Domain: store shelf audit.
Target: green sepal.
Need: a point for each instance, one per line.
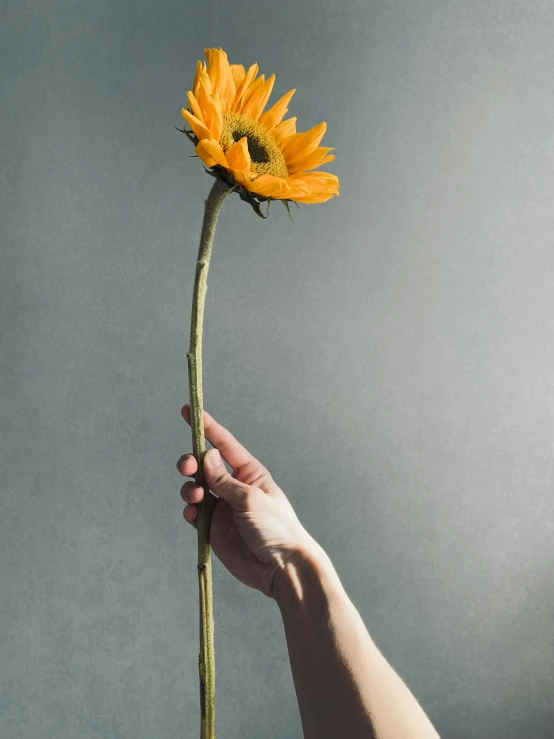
(286, 204)
(189, 134)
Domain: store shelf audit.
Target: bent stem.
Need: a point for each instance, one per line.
(206, 657)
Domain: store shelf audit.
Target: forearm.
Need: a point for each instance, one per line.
(344, 685)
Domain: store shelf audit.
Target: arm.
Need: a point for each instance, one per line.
(344, 685)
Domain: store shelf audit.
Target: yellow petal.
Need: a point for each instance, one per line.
(199, 129)
(203, 97)
(284, 130)
(211, 153)
(257, 101)
(237, 70)
(269, 186)
(315, 159)
(321, 186)
(219, 72)
(298, 188)
(242, 89)
(275, 114)
(199, 70)
(201, 74)
(211, 110)
(238, 156)
(217, 123)
(195, 107)
(249, 92)
(321, 197)
(299, 145)
(316, 179)
(241, 177)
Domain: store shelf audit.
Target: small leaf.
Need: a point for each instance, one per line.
(256, 206)
(190, 136)
(286, 204)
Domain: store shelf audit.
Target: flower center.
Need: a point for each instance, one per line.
(265, 155)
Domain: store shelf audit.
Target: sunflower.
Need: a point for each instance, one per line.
(252, 150)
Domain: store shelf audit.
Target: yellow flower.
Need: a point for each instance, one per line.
(253, 150)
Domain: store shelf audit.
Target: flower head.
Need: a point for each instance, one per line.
(252, 150)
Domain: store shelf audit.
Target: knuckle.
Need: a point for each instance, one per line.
(243, 492)
(263, 480)
(266, 476)
(246, 495)
(253, 473)
(183, 462)
(187, 489)
(220, 478)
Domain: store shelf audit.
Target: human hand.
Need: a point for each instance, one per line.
(254, 530)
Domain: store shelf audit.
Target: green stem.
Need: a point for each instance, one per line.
(206, 657)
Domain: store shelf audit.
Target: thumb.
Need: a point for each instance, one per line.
(236, 493)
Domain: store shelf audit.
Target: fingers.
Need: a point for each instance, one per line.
(193, 494)
(221, 438)
(190, 514)
(239, 495)
(236, 493)
(187, 465)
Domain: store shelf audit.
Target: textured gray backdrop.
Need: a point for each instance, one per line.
(389, 356)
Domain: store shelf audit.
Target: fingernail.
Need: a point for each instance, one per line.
(213, 458)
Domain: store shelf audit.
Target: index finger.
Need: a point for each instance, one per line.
(221, 438)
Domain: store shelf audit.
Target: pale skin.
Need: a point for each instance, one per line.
(344, 685)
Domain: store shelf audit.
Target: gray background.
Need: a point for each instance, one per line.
(389, 356)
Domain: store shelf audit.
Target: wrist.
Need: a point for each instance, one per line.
(309, 571)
